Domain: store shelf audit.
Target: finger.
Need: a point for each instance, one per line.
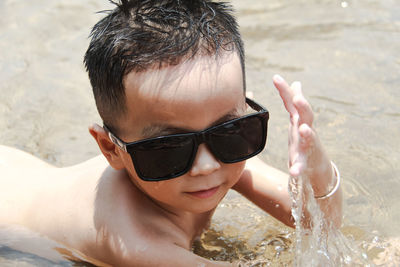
(286, 93)
(302, 142)
(310, 148)
(296, 169)
(296, 88)
(294, 130)
(293, 140)
(302, 138)
(299, 166)
(302, 106)
(306, 114)
(306, 139)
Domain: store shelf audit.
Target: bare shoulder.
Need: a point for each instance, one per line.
(115, 222)
(152, 253)
(36, 194)
(19, 168)
(13, 157)
(174, 256)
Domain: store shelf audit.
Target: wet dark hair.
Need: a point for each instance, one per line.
(139, 34)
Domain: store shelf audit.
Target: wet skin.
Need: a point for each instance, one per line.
(189, 97)
(103, 210)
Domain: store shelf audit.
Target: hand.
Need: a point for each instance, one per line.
(306, 155)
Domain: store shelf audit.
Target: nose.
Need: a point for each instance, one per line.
(205, 163)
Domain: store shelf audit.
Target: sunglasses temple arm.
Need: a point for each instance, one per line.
(254, 105)
(118, 142)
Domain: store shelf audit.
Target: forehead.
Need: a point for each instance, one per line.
(191, 95)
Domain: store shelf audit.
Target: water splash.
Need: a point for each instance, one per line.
(318, 242)
(243, 234)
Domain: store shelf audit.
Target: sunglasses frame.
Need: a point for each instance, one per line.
(198, 137)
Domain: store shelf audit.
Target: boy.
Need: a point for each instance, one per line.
(169, 82)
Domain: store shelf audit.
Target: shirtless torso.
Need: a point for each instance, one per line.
(89, 207)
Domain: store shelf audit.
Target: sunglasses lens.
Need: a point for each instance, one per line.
(238, 140)
(171, 156)
(164, 158)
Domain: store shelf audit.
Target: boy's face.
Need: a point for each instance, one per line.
(188, 97)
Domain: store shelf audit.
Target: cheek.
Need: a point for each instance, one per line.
(163, 191)
(158, 190)
(127, 161)
(235, 171)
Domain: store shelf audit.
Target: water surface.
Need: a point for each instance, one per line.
(344, 53)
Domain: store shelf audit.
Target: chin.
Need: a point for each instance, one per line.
(206, 205)
(203, 209)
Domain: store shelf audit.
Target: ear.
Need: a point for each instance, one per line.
(107, 147)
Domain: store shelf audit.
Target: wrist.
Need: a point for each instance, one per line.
(333, 185)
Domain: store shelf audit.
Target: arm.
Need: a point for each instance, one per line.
(163, 254)
(268, 187)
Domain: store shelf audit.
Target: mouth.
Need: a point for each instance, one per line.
(204, 193)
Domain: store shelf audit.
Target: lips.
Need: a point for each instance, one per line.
(204, 193)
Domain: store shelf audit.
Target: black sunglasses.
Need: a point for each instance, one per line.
(170, 156)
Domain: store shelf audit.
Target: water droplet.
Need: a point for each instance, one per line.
(277, 206)
(347, 259)
(141, 247)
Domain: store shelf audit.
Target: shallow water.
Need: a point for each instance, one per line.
(344, 53)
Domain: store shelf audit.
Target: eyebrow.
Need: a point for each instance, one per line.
(155, 130)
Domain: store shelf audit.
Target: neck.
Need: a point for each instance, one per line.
(188, 224)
